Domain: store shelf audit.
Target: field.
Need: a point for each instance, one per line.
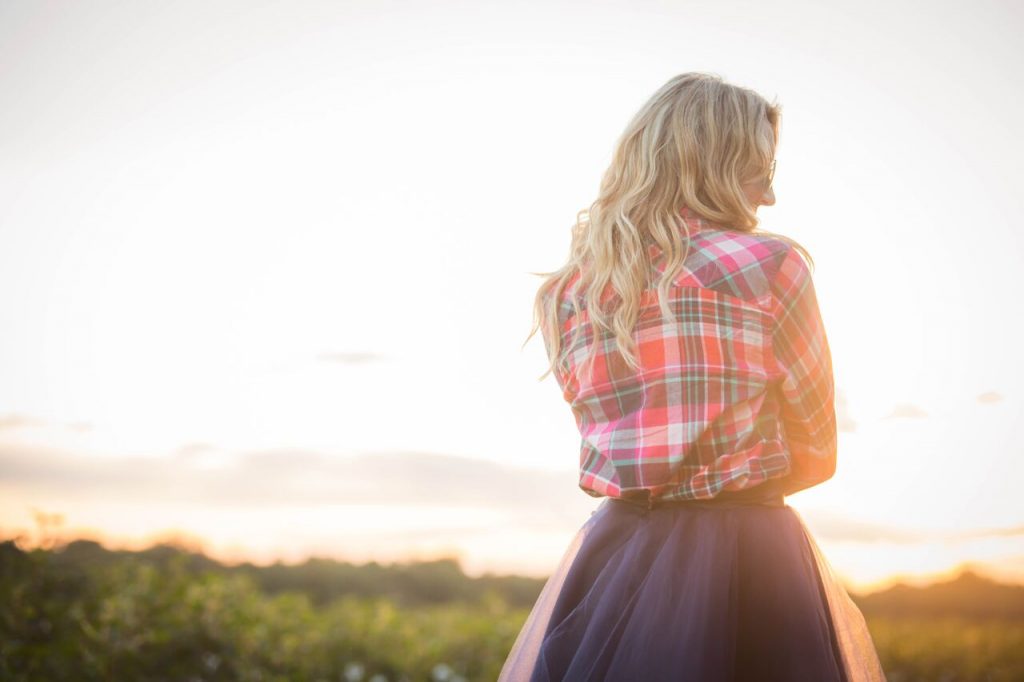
(140, 617)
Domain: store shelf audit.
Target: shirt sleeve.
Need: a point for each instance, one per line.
(803, 376)
(561, 369)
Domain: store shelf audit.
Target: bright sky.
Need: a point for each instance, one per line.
(265, 267)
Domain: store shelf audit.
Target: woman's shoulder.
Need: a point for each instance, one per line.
(734, 262)
(755, 246)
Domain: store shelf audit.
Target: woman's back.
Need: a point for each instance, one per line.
(733, 391)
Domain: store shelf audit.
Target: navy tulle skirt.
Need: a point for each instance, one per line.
(727, 590)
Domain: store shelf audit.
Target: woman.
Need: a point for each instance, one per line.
(690, 348)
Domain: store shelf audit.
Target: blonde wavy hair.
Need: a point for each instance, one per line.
(693, 144)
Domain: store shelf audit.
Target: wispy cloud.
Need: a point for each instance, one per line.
(844, 421)
(194, 449)
(12, 422)
(989, 397)
(18, 421)
(350, 358)
(1011, 531)
(839, 528)
(906, 411)
(290, 477)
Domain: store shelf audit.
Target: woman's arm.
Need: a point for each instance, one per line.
(803, 376)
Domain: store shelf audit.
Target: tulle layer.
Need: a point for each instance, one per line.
(714, 593)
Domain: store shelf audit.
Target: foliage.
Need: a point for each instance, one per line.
(324, 580)
(169, 617)
(949, 649)
(135, 620)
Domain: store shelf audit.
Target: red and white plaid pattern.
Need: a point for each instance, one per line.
(735, 390)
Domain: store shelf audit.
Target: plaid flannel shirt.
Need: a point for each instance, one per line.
(735, 391)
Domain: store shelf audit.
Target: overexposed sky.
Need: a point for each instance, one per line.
(265, 267)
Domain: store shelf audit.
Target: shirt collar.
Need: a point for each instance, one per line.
(695, 222)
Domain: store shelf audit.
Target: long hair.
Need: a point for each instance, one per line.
(692, 144)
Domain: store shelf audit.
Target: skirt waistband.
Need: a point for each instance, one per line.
(760, 495)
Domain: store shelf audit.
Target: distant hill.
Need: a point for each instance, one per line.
(967, 595)
(323, 580)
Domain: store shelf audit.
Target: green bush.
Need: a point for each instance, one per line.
(132, 618)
